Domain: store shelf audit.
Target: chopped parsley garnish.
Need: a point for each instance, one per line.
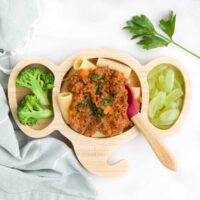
(95, 110)
(99, 87)
(87, 97)
(90, 112)
(85, 102)
(81, 105)
(107, 102)
(95, 77)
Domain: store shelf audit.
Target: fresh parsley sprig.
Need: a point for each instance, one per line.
(141, 27)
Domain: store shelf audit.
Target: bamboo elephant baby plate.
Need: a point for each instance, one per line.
(91, 66)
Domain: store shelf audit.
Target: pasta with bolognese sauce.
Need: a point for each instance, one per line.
(94, 101)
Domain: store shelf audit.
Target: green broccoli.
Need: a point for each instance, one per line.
(30, 110)
(38, 81)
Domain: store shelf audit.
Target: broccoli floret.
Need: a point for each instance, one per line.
(38, 81)
(49, 81)
(30, 110)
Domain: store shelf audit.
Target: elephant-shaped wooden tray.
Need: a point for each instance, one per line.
(93, 153)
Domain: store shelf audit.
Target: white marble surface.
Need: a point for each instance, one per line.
(69, 26)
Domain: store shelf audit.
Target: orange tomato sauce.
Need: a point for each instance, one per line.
(100, 101)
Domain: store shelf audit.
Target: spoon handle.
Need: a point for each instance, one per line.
(160, 149)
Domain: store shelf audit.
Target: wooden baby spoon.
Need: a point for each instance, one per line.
(161, 151)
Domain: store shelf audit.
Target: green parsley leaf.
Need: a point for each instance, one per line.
(99, 87)
(168, 26)
(85, 101)
(107, 102)
(152, 41)
(95, 77)
(87, 97)
(99, 112)
(80, 105)
(141, 27)
(95, 110)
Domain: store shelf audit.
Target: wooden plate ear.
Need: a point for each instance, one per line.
(187, 79)
(15, 94)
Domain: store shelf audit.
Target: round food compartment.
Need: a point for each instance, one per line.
(30, 94)
(93, 93)
(21, 92)
(169, 95)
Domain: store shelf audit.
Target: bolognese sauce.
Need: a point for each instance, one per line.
(100, 101)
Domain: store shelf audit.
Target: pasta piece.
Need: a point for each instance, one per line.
(83, 63)
(64, 101)
(136, 92)
(114, 65)
(98, 135)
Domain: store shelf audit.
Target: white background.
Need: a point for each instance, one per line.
(73, 25)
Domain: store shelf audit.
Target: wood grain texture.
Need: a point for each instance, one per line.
(93, 153)
(160, 149)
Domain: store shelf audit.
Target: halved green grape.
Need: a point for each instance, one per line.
(156, 104)
(157, 122)
(161, 82)
(169, 81)
(166, 95)
(169, 116)
(171, 105)
(152, 83)
(156, 71)
(173, 96)
(153, 93)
